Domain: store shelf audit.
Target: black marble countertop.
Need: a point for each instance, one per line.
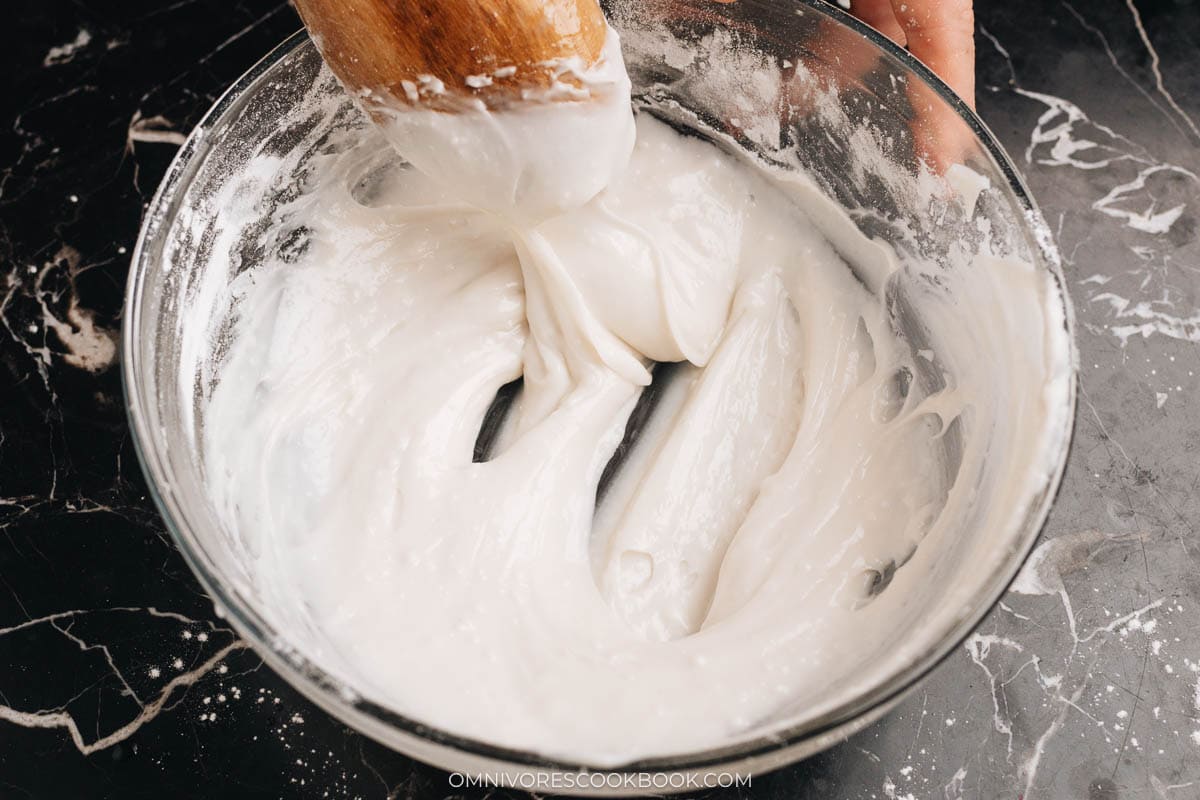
(117, 680)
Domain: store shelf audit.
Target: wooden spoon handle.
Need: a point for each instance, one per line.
(436, 53)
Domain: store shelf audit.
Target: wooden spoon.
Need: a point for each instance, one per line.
(439, 53)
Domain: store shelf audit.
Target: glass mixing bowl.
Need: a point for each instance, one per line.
(797, 84)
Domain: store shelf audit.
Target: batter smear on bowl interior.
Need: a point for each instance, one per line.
(738, 562)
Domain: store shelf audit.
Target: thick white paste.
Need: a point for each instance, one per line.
(796, 457)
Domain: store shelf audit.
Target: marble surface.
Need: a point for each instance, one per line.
(116, 679)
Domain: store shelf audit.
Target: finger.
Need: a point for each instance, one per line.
(940, 137)
(880, 16)
(941, 33)
(840, 59)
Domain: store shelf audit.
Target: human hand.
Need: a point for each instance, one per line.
(941, 33)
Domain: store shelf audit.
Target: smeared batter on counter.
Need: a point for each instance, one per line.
(799, 449)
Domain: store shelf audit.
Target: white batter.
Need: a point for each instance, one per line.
(795, 459)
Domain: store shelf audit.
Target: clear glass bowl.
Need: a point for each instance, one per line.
(797, 83)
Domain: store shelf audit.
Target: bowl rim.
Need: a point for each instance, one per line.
(381, 722)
